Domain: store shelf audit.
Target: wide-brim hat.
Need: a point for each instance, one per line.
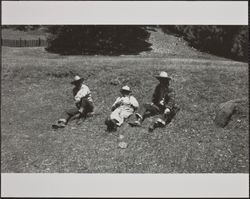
(126, 88)
(77, 79)
(163, 75)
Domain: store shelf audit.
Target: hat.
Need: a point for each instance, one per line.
(125, 88)
(77, 79)
(163, 75)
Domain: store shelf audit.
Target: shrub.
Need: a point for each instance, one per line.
(92, 40)
(226, 41)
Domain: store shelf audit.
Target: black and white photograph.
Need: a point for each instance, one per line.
(124, 99)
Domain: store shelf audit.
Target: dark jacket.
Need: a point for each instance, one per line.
(165, 93)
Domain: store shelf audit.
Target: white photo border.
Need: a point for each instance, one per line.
(124, 185)
(125, 12)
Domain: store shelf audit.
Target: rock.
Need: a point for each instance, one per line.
(123, 145)
(225, 111)
(121, 137)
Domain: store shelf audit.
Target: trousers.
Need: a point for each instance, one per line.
(152, 110)
(121, 113)
(86, 105)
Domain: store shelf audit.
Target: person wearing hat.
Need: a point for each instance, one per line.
(123, 107)
(83, 103)
(163, 103)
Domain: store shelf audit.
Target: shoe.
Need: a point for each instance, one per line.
(111, 126)
(58, 125)
(135, 124)
(138, 116)
(160, 123)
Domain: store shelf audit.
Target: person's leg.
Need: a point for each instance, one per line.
(167, 117)
(113, 120)
(125, 113)
(164, 119)
(65, 117)
(86, 107)
(147, 111)
(69, 114)
(117, 116)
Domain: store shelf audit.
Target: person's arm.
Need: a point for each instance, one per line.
(171, 99)
(155, 97)
(134, 102)
(116, 103)
(83, 92)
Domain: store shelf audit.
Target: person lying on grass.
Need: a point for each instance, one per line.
(163, 104)
(122, 108)
(83, 104)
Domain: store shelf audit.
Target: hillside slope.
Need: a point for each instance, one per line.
(163, 45)
(169, 46)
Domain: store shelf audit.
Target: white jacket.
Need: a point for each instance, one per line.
(83, 92)
(126, 102)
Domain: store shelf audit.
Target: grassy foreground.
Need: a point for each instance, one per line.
(35, 90)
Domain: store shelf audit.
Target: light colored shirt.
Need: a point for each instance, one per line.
(84, 92)
(127, 101)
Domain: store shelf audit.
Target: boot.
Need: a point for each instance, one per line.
(59, 124)
(111, 125)
(158, 124)
(136, 123)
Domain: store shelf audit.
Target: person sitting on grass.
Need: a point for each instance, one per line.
(163, 103)
(83, 104)
(122, 108)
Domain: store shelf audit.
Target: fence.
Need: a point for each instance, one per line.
(23, 43)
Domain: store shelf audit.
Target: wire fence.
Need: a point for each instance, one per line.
(23, 42)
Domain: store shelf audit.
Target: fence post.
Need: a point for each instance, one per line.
(20, 42)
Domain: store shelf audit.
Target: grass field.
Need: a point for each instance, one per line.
(8, 33)
(35, 91)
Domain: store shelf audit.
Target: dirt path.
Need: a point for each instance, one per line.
(166, 45)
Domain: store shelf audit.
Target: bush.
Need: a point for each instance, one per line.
(93, 40)
(226, 41)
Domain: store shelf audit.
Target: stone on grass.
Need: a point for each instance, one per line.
(226, 110)
(123, 145)
(121, 137)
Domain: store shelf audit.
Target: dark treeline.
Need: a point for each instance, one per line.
(98, 40)
(226, 41)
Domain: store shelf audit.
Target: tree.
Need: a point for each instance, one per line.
(226, 41)
(93, 40)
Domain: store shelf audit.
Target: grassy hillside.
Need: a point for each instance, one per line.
(9, 33)
(36, 89)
